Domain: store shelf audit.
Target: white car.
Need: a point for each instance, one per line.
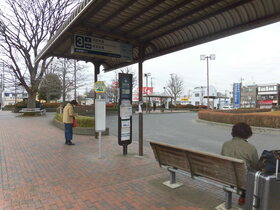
(227, 107)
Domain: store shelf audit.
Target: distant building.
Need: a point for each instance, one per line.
(268, 95)
(258, 96)
(9, 98)
(199, 96)
(87, 101)
(249, 96)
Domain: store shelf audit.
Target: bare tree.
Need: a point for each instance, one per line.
(25, 26)
(72, 75)
(12, 84)
(175, 86)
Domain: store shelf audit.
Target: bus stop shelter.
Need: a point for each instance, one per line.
(154, 28)
(162, 98)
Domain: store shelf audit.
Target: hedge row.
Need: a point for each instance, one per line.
(83, 121)
(269, 119)
(244, 110)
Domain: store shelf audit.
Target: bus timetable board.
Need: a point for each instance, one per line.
(125, 111)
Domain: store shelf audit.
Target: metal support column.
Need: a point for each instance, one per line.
(208, 103)
(140, 76)
(96, 72)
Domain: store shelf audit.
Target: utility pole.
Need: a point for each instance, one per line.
(152, 82)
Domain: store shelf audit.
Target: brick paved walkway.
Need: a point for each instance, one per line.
(39, 172)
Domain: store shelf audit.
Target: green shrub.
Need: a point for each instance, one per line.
(21, 104)
(182, 106)
(58, 117)
(112, 109)
(51, 105)
(83, 121)
(8, 107)
(190, 106)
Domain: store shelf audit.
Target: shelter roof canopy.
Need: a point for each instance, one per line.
(157, 27)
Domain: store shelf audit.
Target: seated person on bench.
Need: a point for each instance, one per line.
(240, 148)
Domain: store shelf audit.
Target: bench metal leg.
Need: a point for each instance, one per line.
(172, 177)
(228, 203)
(172, 181)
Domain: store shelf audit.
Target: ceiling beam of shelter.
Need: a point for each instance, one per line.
(183, 16)
(217, 35)
(138, 14)
(212, 14)
(128, 4)
(92, 11)
(157, 17)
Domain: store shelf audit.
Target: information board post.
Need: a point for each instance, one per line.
(125, 111)
(100, 112)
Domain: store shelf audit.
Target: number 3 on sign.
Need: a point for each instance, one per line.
(79, 41)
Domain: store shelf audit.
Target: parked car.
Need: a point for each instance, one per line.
(227, 107)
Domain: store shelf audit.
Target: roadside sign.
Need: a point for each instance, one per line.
(237, 94)
(185, 99)
(100, 87)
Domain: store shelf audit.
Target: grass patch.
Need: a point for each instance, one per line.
(83, 121)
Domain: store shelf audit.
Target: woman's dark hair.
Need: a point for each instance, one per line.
(74, 102)
(241, 130)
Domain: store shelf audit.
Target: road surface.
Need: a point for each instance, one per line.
(184, 130)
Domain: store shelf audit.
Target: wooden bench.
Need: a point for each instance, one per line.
(224, 172)
(33, 110)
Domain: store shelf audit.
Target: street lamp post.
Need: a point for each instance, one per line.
(211, 57)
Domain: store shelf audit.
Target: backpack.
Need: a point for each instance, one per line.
(267, 162)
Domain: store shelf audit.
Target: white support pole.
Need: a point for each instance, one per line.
(100, 145)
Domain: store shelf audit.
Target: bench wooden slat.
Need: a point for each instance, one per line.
(173, 157)
(219, 168)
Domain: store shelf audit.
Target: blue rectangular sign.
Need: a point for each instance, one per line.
(237, 94)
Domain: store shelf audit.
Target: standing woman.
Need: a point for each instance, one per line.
(68, 117)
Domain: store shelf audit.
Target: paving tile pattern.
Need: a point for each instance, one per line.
(38, 171)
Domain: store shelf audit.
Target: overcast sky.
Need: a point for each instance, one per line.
(253, 56)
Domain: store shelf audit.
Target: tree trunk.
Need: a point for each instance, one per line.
(31, 100)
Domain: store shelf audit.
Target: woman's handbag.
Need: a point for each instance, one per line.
(75, 124)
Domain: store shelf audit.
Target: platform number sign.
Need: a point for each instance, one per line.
(83, 42)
